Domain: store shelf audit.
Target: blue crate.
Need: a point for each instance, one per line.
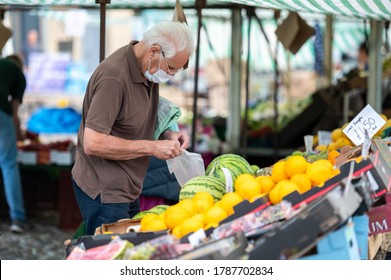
(361, 229)
(338, 245)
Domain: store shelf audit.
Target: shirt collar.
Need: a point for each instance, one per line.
(134, 70)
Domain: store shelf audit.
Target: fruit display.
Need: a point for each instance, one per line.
(261, 201)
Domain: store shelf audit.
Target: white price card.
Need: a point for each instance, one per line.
(369, 120)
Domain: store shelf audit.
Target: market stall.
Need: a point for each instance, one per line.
(250, 224)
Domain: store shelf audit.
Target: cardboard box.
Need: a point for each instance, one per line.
(5, 34)
(374, 243)
(381, 159)
(294, 32)
(380, 217)
(122, 226)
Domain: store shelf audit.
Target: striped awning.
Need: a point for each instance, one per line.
(369, 9)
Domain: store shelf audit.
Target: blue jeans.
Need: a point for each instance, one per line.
(10, 168)
(95, 213)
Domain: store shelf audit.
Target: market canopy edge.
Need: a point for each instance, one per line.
(368, 9)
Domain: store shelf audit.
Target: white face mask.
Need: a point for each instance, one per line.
(159, 76)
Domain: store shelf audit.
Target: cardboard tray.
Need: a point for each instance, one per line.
(229, 248)
(297, 235)
(90, 241)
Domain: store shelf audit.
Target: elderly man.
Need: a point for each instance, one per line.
(119, 115)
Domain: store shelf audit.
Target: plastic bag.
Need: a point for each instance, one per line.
(186, 166)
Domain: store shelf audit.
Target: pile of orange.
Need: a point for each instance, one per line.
(190, 215)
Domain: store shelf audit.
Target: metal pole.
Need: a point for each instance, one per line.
(199, 6)
(102, 43)
(374, 93)
(328, 49)
(250, 14)
(233, 118)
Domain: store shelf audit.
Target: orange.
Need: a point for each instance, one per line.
(204, 195)
(281, 190)
(170, 209)
(319, 171)
(211, 225)
(248, 189)
(189, 206)
(200, 217)
(384, 117)
(257, 196)
(229, 200)
(295, 165)
(273, 195)
(287, 188)
(176, 231)
(215, 214)
(190, 225)
(203, 205)
(321, 148)
(302, 181)
(336, 134)
(342, 142)
(155, 225)
(146, 219)
(266, 182)
(331, 156)
(278, 171)
(243, 177)
(175, 217)
(332, 146)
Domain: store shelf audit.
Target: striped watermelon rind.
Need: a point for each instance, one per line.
(234, 163)
(158, 209)
(209, 184)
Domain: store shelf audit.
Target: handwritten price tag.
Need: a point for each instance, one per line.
(367, 120)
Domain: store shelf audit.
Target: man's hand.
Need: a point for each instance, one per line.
(166, 149)
(181, 136)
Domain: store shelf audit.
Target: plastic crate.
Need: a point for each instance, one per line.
(361, 229)
(338, 245)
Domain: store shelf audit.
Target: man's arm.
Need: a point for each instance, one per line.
(20, 135)
(115, 148)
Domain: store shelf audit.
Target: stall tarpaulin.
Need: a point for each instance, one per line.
(368, 9)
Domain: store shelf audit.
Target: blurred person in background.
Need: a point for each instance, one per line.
(12, 88)
(119, 114)
(31, 45)
(363, 56)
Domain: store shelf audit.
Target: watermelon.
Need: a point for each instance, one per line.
(209, 184)
(112, 251)
(235, 164)
(158, 209)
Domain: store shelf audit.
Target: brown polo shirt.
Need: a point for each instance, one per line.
(117, 102)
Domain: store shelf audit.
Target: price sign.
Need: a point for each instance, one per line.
(367, 120)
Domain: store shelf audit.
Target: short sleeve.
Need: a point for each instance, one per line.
(105, 105)
(19, 86)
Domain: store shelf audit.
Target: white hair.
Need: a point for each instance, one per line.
(173, 37)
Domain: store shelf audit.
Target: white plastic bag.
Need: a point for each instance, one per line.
(186, 166)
